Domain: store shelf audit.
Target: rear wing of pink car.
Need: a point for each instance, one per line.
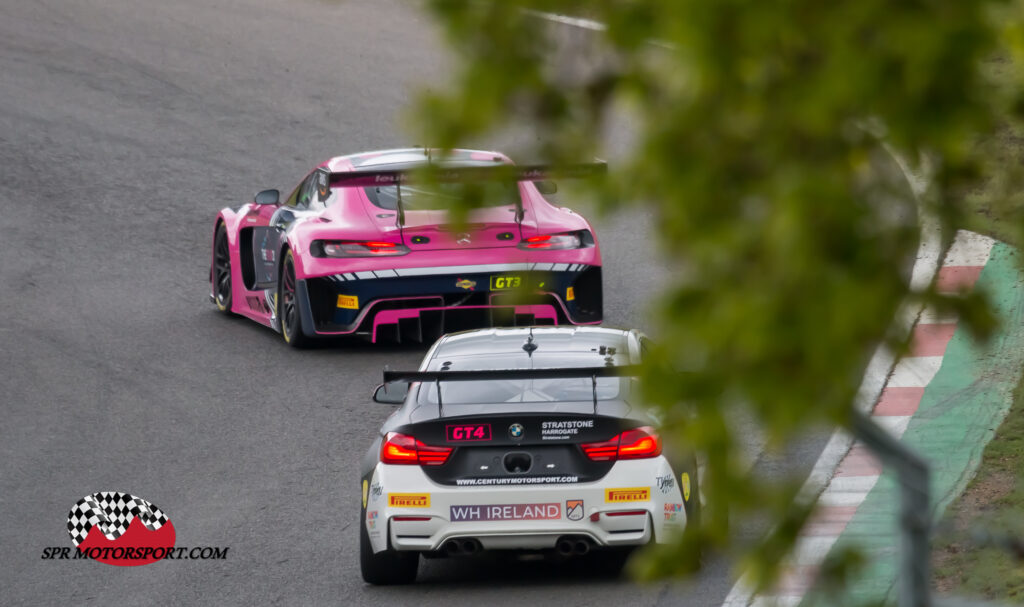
(467, 174)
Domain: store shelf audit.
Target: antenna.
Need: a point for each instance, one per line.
(529, 347)
(593, 383)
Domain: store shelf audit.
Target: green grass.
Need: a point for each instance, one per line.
(970, 553)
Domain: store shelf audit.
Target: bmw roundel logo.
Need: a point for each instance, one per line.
(515, 431)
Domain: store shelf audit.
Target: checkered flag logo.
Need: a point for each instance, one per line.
(113, 512)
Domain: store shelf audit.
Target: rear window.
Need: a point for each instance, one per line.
(443, 196)
(579, 389)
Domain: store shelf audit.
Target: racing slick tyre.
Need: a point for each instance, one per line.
(220, 277)
(288, 305)
(388, 567)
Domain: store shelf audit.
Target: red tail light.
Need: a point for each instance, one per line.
(355, 248)
(638, 443)
(552, 242)
(403, 449)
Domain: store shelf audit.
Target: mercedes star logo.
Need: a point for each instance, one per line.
(462, 238)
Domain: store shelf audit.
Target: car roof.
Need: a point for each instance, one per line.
(507, 348)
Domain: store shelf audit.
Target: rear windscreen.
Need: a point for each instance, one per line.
(443, 195)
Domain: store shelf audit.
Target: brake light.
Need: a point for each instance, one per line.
(404, 449)
(357, 248)
(638, 443)
(552, 242)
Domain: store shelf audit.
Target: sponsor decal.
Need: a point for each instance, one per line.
(348, 302)
(574, 510)
(570, 294)
(409, 500)
(561, 430)
(516, 480)
(627, 494)
(376, 490)
(684, 482)
(506, 512)
(468, 432)
(365, 492)
(122, 529)
(672, 511)
(516, 431)
(665, 483)
(465, 283)
(499, 283)
(371, 519)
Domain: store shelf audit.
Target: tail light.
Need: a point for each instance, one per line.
(404, 449)
(552, 242)
(638, 443)
(356, 248)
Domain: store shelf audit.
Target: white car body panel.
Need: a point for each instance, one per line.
(664, 514)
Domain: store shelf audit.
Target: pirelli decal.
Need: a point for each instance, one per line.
(409, 500)
(627, 494)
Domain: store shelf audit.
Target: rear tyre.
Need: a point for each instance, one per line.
(220, 278)
(288, 305)
(388, 567)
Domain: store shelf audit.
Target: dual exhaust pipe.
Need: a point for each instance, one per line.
(461, 547)
(572, 546)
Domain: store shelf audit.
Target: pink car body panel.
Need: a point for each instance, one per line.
(351, 216)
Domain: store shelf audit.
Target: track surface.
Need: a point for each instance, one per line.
(124, 126)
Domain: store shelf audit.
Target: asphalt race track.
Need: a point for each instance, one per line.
(124, 127)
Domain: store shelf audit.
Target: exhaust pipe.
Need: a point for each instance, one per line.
(564, 546)
(460, 547)
(580, 547)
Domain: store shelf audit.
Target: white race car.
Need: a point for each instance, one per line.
(525, 439)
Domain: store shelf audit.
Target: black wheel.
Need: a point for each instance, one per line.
(221, 277)
(388, 567)
(288, 305)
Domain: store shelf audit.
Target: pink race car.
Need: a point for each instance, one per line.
(362, 247)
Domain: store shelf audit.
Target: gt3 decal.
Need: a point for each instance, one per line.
(627, 494)
(574, 510)
(499, 283)
(409, 500)
(468, 432)
(506, 512)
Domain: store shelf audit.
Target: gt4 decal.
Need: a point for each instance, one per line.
(627, 494)
(506, 512)
(409, 500)
(468, 432)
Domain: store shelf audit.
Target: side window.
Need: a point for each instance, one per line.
(306, 191)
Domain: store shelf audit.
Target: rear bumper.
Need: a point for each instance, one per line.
(420, 304)
(415, 514)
